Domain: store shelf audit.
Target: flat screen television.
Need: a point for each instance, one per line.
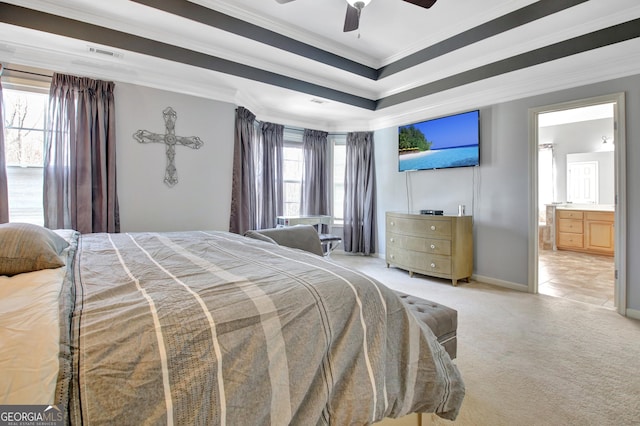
(440, 143)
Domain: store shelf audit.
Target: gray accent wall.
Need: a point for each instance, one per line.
(202, 198)
(497, 192)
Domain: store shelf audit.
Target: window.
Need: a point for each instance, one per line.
(293, 163)
(292, 174)
(24, 122)
(546, 173)
(339, 163)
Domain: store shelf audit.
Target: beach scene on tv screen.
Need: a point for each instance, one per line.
(441, 143)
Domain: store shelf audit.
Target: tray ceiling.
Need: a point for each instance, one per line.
(292, 63)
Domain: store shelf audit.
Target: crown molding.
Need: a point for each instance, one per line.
(548, 77)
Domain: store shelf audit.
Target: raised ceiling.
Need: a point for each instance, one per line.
(292, 63)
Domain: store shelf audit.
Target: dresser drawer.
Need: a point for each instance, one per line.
(419, 262)
(570, 225)
(424, 245)
(567, 239)
(420, 227)
(439, 246)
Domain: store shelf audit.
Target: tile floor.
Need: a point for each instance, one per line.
(582, 277)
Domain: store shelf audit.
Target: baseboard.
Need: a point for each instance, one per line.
(488, 280)
(633, 313)
(630, 313)
(500, 283)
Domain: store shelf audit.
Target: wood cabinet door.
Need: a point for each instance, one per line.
(599, 236)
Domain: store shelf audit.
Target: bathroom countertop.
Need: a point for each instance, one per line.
(591, 207)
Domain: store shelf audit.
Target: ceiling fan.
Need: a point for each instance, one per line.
(354, 8)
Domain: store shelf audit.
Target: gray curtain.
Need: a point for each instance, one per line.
(270, 199)
(243, 204)
(80, 156)
(360, 194)
(315, 177)
(4, 194)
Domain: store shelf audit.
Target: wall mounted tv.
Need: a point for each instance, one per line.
(451, 141)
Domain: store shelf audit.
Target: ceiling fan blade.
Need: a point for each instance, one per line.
(422, 3)
(352, 20)
(284, 1)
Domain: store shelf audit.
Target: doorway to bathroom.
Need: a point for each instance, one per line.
(578, 182)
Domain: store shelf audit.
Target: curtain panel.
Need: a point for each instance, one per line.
(314, 198)
(360, 194)
(257, 194)
(270, 180)
(80, 156)
(4, 194)
(243, 203)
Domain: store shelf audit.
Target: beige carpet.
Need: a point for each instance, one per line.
(531, 359)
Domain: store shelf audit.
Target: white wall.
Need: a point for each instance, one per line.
(499, 188)
(581, 137)
(202, 197)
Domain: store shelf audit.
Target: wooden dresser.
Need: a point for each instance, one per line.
(589, 231)
(439, 246)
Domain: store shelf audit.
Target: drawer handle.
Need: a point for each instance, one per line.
(392, 223)
(392, 257)
(433, 227)
(391, 239)
(433, 246)
(433, 265)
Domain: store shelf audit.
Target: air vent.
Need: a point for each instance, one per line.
(105, 52)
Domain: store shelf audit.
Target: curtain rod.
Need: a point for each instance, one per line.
(300, 130)
(297, 129)
(25, 72)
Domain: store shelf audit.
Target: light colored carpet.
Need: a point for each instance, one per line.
(531, 359)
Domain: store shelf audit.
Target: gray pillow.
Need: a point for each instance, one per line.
(26, 248)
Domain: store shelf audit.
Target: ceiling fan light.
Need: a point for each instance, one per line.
(354, 2)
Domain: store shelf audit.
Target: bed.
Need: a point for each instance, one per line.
(208, 327)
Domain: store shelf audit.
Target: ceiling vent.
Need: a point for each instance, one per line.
(104, 52)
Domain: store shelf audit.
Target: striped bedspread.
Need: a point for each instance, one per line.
(211, 328)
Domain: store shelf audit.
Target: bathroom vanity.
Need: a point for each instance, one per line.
(585, 229)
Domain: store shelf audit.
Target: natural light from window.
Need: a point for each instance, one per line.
(292, 173)
(24, 121)
(339, 162)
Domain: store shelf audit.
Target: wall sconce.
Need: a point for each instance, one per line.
(607, 144)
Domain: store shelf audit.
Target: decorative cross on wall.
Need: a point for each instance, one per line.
(170, 139)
